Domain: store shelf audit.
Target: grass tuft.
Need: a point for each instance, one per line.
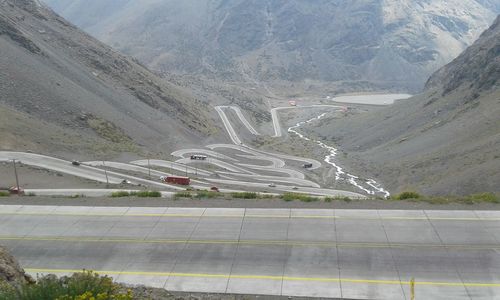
(207, 194)
(244, 195)
(485, 197)
(407, 195)
(296, 196)
(120, 194)
(183, 194)
(142, 194)
(4, 194)
(147, 194)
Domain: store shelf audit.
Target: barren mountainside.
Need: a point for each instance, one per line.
(446, 140)
(63, 91)
(391, 43)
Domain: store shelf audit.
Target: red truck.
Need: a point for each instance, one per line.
(177, 180)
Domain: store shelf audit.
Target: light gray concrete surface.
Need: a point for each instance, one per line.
(380, 99)
(294, 252)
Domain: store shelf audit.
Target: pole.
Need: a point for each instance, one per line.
(107, 180)
(149, 170)
(412, 289)
(105, 174)
(17, 178)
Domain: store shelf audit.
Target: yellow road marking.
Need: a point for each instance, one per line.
(248, 242)
(166, 215)
(267, 277)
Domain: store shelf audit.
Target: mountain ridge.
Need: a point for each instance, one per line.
(58, 75)
(394, 44)
(443, 141)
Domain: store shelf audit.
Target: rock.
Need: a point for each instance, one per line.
(11, 271)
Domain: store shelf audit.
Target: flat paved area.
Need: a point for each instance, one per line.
(360, 254)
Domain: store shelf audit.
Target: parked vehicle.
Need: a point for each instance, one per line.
(272, 185)
(16, 191)
(75, 163)
(308, 166)
(214, 189)
(199, 157)
(176, 180)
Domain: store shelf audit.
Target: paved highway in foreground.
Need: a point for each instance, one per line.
(329, 253)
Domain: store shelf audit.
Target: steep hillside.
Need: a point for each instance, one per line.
(65, 92)
(389, 43)
(446, 140)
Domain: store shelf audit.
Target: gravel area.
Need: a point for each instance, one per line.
(241, 203)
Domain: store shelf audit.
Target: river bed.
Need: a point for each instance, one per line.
(370, 186)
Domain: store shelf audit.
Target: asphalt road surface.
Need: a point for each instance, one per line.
(324, 253)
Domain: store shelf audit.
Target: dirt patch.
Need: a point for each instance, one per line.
(242, 203)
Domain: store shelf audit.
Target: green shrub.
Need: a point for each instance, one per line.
(207, 194)
(148, 194)
(80, 286)
(266, 196)
(485, 197)
(244, 195)
(4, 194)
(296, 196)
(407, 195)
(183, 194)
(120, 194)
(328, 199)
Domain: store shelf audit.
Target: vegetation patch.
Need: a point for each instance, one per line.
(337, 198)
(442, 200)
(4, 194)
(300, 197)
(80, 286)
(183, 194)
(108, 130)
(120, 194)
(485, 197)
(142, 194)
(207, 194)
(146, 194)
(407, 195)
(245, 195)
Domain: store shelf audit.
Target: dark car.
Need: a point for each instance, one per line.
(75, 163)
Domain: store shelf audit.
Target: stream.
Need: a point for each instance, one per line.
(370, 187)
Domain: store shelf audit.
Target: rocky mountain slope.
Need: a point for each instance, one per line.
(389, 43)
(62, 91)
(446, 140)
